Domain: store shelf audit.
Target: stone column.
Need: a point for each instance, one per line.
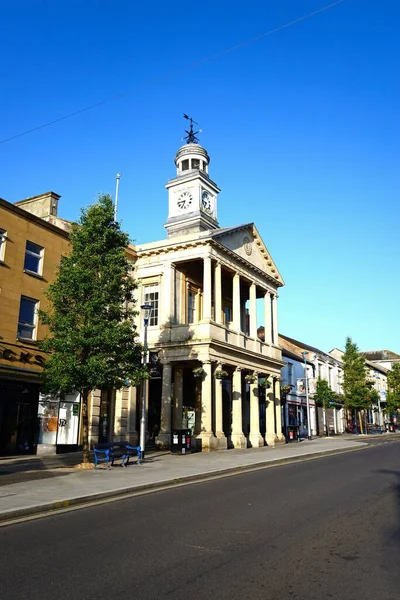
(253, 311)
(255, 436)
(164, 437)
(219, 432)
(236, 318)
(178, 399)
(267, 318)
(207, 288)
(270, 436)
(206, 435)
(217, 294)
(278, 410)
(94, 416)
(238, 439)
(274, 318)
(167, 306)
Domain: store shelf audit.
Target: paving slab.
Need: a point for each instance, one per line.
(77, 487)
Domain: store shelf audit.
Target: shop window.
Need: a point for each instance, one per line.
(33, 258)
(151, 296)
(27, 318)
(58, 421)
(3, 236)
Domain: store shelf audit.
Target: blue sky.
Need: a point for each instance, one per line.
(302, 127)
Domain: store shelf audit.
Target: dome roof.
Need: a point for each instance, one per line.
(193, 150)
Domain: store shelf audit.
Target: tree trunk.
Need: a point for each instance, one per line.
(360, 419)
(85, 427)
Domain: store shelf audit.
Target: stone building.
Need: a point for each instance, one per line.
(32, 241)
(206, 284)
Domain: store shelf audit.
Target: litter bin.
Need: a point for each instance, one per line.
(293, 433)
(181, 441)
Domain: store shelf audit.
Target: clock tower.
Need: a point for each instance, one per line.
(192, 205)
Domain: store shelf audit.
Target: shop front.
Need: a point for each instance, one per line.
(31, 422)
(18, 410)
(58, 424)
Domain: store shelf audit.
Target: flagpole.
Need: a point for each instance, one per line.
(118, 176)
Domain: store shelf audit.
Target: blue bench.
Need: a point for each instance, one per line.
(109, 452)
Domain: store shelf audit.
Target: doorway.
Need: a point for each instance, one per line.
(18, 417)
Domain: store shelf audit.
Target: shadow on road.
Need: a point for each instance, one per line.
(393, 534)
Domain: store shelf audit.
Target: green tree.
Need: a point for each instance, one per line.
(324, 396)
(92, 340)
(393, 394)
(356, 386)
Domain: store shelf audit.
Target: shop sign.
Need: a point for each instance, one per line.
(13, 355)
(301, 386)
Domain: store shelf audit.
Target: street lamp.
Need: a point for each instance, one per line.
(376, 377)
(307, 398)
(146, 311)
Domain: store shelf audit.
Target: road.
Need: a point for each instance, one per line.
(326, 528)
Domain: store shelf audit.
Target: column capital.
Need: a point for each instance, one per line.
(166, 363)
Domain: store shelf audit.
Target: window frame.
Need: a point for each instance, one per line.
(25, 324)
(3, 240)
(155, 302)
(191, 293)
(290, 372)
(36, 255)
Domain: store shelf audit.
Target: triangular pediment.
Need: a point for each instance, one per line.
(246, 242)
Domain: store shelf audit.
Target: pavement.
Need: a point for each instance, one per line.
(26, 490)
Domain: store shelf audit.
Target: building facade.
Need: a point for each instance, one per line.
(317, 365)
(30, 250)
(205, 284)
(378, 375)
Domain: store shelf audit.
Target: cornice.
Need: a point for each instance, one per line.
(249, 266)
(221, 251)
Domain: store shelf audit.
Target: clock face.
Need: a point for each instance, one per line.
(185, 200)
(206, 201)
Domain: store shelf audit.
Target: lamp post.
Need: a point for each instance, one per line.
(146, 310)
(307, 398)
(376, 377)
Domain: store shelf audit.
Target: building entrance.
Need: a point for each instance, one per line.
(18, 417)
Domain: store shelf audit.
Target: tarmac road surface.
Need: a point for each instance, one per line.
(326, 528)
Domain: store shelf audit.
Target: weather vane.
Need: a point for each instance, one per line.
(191, 135)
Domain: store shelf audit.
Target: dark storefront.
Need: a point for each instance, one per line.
(18, 417)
